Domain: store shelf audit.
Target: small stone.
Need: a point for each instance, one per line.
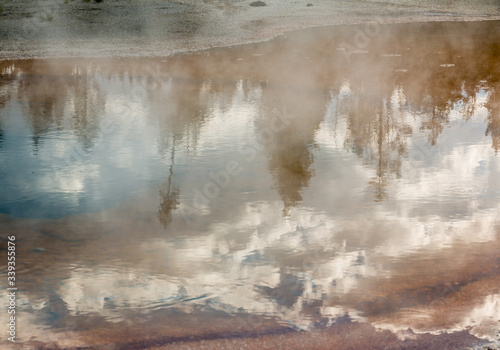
(258, 3)
(309, 5)
(39, 249)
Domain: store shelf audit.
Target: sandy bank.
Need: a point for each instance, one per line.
(124, 28)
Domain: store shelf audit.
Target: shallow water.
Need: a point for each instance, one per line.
(261, 189)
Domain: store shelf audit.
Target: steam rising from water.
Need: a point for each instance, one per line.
(367, 185)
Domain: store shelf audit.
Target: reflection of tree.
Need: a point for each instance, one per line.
(169, 195)
(1, 134)
(45, 97)
(493, 119)
(291, 165)
(88, 108)
(443, 75)
(180, 110)
(378, 134)
(5, 95)
(441, 95)
(50, 95)
(290, 157)
(199, 84)
(434, 122)
(7, 77)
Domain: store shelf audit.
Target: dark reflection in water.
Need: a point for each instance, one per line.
(291, 145)
(287, 184)
(169, 194)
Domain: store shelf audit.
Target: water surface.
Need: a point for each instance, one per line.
(267, 188)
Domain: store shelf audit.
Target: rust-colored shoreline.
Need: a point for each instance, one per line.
(342, 335)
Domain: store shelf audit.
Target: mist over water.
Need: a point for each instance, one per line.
(321, 176)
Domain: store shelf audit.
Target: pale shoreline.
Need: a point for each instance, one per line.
(118, 28)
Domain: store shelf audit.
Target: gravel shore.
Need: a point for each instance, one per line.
(126, 28)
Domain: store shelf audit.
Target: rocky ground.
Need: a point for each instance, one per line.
(119, 28)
